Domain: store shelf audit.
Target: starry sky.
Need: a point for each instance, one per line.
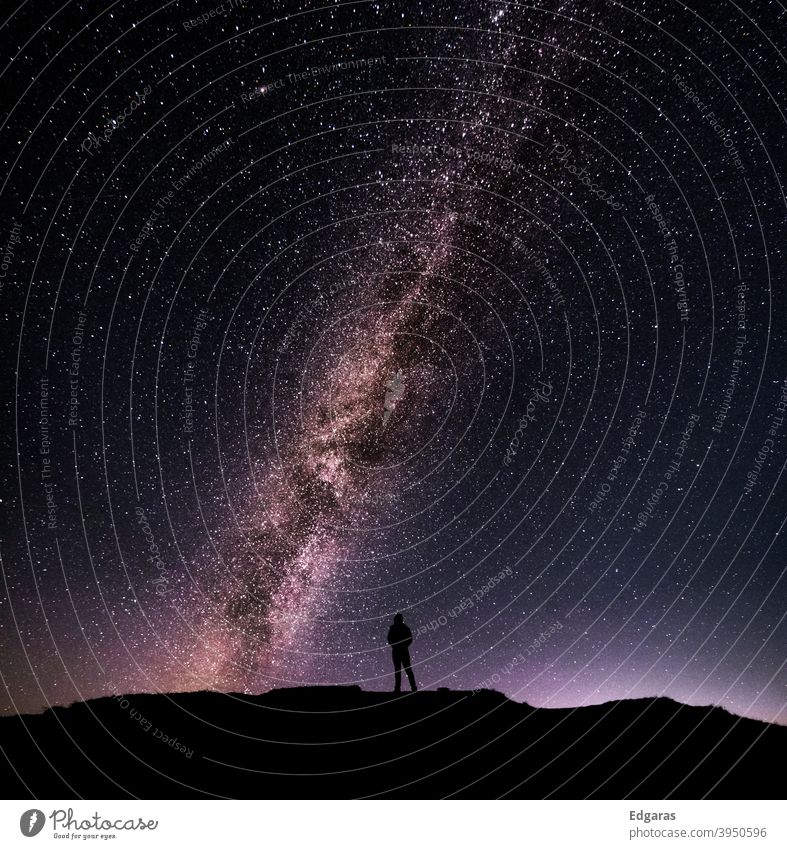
(317, 312)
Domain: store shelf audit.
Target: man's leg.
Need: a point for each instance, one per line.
(397, 672)
(408, 670)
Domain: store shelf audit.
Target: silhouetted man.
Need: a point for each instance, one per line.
(399, 639)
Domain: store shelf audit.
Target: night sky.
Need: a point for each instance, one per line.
(313, 313)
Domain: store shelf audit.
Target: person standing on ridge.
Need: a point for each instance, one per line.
(399, 639)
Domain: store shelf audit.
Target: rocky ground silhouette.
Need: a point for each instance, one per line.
(343, 742)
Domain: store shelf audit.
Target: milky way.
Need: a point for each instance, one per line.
(471, 311)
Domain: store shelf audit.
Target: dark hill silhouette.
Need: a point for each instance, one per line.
(340, 742)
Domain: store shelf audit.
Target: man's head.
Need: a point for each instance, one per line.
(398, 619)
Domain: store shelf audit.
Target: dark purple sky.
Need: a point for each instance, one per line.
(468, 311)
